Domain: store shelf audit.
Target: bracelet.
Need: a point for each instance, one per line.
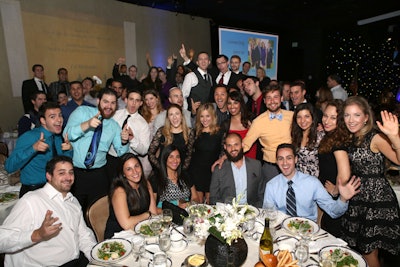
(395, 148)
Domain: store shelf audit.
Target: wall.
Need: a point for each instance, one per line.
(158, 32)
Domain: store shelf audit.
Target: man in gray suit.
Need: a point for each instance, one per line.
(239, 175)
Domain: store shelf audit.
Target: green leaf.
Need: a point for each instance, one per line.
(213, 230)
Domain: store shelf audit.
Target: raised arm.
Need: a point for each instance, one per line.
(388, 145)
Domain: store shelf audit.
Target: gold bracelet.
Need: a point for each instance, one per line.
(395, 148)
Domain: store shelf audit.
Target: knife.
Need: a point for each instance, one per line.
(173, 227)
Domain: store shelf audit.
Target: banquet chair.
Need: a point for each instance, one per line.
(3, 149)
(97, 215)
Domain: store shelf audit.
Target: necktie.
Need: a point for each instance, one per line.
(291, 200)
(94, 145)
(53, 146)
(43, 87)
(221, 81)
(125, 121)
(275, 116)
(205, 77)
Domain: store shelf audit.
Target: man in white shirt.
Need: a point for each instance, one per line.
(46, 226)
(337, 90)
(139, 131)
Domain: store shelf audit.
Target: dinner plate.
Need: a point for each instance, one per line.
(361, 261)
(126, 244)
(286, 242)
(145, 222)
(8, 197)
(285, 225)
(251, 208)
(201, 210)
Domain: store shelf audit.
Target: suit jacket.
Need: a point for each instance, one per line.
(28, 88)
(223, 185)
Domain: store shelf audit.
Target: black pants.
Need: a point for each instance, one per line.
(26, 188)
(82, 261)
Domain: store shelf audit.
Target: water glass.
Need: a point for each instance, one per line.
(301, 252)
(166, 218)
(188, 227)
(271, 213)
(305, 232)
(137, 246)
(249, 224)
(160, 259)
(164, 242)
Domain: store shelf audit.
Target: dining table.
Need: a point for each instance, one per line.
(6, 207)
(197, 246)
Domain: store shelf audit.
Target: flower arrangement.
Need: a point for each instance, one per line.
(224, 224)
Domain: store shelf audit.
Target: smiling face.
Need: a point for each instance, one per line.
(62, 177)
(235, 64)
(38, 72)
(272, 101)
(176, 96)
(175, 118)
(107, 105)
(354, 118)
(132, 171)
(304, 119)
(173, 160)
(233, 107)
(329, 119)
(220, 97)
(286, 161)
(297, 95)
(205, 119)
(132, 72)
(203, 61)
(76, 91)
(233, 147)
(150, 101)
(52, 120)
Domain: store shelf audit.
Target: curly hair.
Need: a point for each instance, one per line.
(297, 133)
(339, 136)
(145, 111)
(166, 130)
(214, 121)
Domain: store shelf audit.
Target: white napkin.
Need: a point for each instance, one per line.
(315, 246)
(128, 235)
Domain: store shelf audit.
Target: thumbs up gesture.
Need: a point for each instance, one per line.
(125, 134)
(94, 121)
(40, 145)
(66, 145)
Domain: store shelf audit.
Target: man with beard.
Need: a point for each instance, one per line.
(271, 128)
(46, 227)
(238, 176)
(85, 126)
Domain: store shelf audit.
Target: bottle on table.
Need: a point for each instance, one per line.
(266, 242)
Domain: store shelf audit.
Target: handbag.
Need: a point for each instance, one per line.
(178, 214)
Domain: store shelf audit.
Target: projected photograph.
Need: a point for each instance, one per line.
(260, 49)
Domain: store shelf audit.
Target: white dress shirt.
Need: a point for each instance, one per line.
(28, 215)
(339, 93)
(139, 145)
(189, 82)
(40, 84)
(227, 76)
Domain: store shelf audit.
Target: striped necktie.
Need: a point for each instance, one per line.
(291, 200)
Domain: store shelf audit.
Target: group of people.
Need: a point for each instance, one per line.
(217, 135)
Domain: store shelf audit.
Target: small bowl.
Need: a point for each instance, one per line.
(196, 260)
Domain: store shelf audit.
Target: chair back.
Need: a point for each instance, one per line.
(97, 216)
(3, 149)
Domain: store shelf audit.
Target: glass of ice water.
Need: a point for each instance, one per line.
(301, 252)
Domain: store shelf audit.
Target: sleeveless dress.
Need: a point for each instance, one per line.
(113, 226)
(207, 149)
(372, 219)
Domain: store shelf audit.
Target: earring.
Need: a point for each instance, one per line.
(365, 122)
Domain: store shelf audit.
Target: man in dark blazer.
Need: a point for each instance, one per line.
(239, 175)
(31, 86)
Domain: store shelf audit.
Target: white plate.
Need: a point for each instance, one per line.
(137, 227)
(285, 222)
(127, 246)
(14, 194)
(180, 248)
(356, 255)
(192, 210)
(252, 208)
(288, 242)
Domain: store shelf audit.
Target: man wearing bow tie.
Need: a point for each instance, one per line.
(271, 128)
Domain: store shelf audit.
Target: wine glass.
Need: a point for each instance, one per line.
(249, 224)
(305, 232)
(155, 225)
(166, 218)
(188, 227)
(271, 213)
(164, 241)
(301, 252)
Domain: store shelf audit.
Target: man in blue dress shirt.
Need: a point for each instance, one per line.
(308, 189)
(36, 147)
(91, 182)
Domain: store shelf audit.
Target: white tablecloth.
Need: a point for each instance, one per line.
(253, 247)
(6, 208)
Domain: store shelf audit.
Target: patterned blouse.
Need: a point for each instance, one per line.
(307, 160)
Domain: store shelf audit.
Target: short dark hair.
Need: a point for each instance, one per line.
(51, 164)
(46, 106)
(286, 145)
(254, 78)
(89, 79)
(75, 82)
(335, 77)
(272, 88)
(246, 62)
(35, 95)
(119, 81)
(236, 56)
(60, 70)
(300, 83)
(222, 86)
(223, 56)
(106, 91)
(203, 52)
(37, 65)
(132, 90)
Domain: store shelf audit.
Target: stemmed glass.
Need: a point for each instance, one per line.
(271, 213)
(188, 227)
(301, 252)
(164, 241)
(305, 232)
(155, 225)
(249, 224)
(166, 218)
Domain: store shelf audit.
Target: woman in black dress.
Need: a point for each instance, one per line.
(207, 149)
(333, 159)
(131, 197)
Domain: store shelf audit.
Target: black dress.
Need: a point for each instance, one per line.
(206, 151)
(372, 219)
(328, 172)
(113, 226)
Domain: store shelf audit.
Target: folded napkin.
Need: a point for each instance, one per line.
(128, 235)
(315, 246)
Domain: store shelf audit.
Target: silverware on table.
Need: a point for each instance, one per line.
(320, 236)
(176, 229)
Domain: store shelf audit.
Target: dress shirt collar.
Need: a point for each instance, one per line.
(126, 113)
(202, 72)
(52, 193)
(293, 179)
(336, 87)
(37, 79)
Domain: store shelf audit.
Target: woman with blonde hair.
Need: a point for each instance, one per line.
(372, 221)
(176, 132)
(207, 148)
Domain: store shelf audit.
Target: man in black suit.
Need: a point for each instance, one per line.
(29, 87)
(225, 75)
(238, 175)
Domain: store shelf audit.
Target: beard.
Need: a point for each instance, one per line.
(103, 115)
(236, 158)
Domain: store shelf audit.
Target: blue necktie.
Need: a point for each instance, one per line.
(291, 200)
(94, 145)
(275, 116)
(53, 146)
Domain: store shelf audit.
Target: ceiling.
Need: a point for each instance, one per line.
(279, 14)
